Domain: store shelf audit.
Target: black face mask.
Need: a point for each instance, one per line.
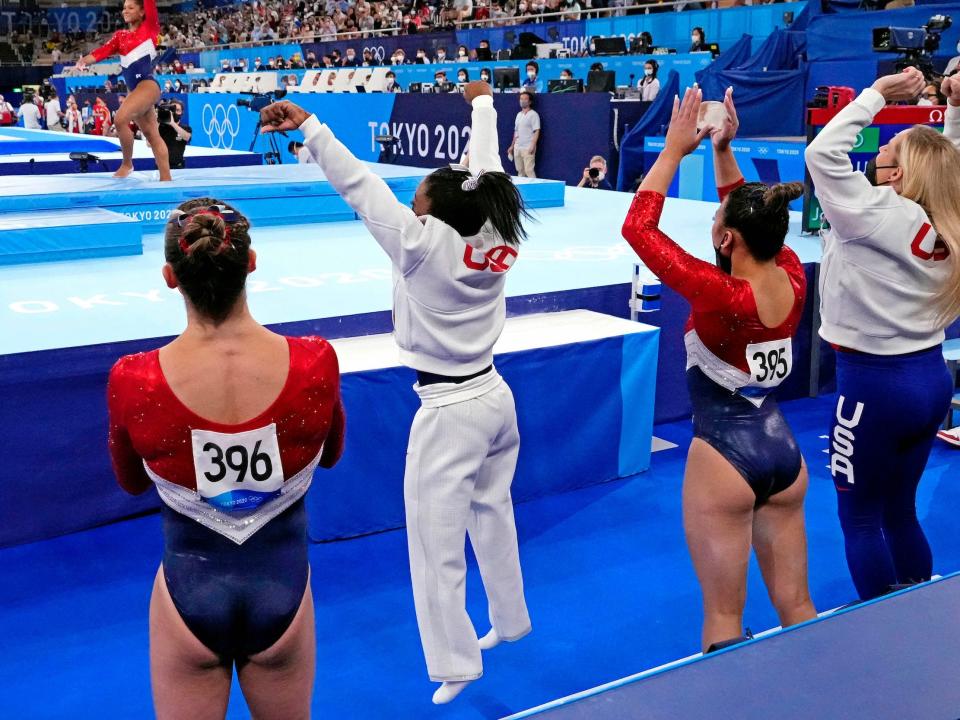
(871, 171)
(723, 262)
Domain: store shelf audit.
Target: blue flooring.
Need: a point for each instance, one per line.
(609, 584)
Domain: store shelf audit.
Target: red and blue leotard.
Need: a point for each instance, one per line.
(234, 522)
(734, 361)
(137, 48)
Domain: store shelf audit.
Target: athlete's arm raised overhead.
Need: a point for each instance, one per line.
(951, 126)
(698, 281)
(484, 143)
(393, 225)
(853, 206)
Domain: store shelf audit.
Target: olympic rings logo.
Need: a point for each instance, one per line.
(378, 51)
(221, 124)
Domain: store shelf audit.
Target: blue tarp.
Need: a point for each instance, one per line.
(737, 55)
(652, 123)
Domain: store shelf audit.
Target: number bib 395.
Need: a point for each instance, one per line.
(770, 362)
(237, 471)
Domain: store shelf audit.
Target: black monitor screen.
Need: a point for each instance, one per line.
(564, 86)
(601, 81)
(506, 77)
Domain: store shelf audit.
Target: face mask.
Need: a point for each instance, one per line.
(524, 103)
(463, 53)
(924, 102)
(485, 78)
(441, 56)
(694, 38)
(871, 172)
(723, 262)
(461, 78)
(532, 75)
(648, 72)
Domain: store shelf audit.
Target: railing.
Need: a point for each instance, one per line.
(559, 16)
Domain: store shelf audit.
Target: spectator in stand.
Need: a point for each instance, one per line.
(369, 59)
(698, 41)
(533, 83)
(566, 74)
(649, 85)
(53, 113)
(931, 95)
(526, 135)
(595, 176)
(463, 54)
(464, 9)
(74, 118)
(463, 76)
(440, 78)
(350, 58)
(442, 56)
(392, 85)
(485, 75)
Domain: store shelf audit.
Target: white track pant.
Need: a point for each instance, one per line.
(460, 462)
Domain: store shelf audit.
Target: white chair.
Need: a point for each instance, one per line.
(377, 82)
(360, 78)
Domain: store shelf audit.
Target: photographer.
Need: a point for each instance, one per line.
(175, 136)
(595, 176)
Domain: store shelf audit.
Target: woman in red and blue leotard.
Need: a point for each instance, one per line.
(228, 422)
(745, 480)
(137, 48)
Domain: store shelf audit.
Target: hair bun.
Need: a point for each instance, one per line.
(204, 233)
(779, 196)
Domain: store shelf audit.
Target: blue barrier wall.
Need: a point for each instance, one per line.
(433, 130)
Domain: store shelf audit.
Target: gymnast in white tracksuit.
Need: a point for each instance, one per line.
(450, 253)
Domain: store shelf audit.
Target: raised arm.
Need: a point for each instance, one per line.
(951, 125)
(151, 18)
(108, 49)
(393, 225)
(726, 171)
(698, 281)
(847, 197)
(484, 143)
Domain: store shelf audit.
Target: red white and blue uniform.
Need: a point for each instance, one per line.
(233, 515)
(883, 269)
(137, 48)
(734, 361)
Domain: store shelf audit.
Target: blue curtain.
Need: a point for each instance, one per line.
(734, 56)
(782, 50)
(768, 103)
(652, 123)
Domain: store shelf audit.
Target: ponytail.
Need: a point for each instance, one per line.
(931, 166)
(466, 203)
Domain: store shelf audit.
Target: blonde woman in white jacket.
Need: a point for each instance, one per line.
(451, 252)
(889, 285)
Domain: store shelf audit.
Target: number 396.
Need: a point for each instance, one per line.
(237, 459)
(773, 365)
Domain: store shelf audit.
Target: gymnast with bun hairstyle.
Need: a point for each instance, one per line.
(228, 422)
(745, 479)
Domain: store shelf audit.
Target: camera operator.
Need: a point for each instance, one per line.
(595, 176)
(176, 136)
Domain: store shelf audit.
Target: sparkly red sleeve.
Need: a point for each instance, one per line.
(151, 18)
(333, 446)
(127, 464)
(705, 286)
(725, 190)
(111, 48)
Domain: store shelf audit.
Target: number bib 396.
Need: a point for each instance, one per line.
(237, 471)
(770, 362)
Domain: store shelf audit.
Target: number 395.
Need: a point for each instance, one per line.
(236, 458)
(773, 365)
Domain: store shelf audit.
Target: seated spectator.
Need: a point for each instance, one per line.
(485, 75)
(399, 57)
(350, 59)
(392, 86)
(440, 78)
(595, 176)
(462, 76)
(930, 95)
(442, 55)
(649, 85)
(421, 58)
(566, 74)
(698, 41)
(463, 54)
(533, 83)
(369, 59)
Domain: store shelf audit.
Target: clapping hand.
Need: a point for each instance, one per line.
(723, 136)
(950, 88)
(682, 136)
(904, 85)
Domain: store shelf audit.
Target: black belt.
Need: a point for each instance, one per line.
(426, 378)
